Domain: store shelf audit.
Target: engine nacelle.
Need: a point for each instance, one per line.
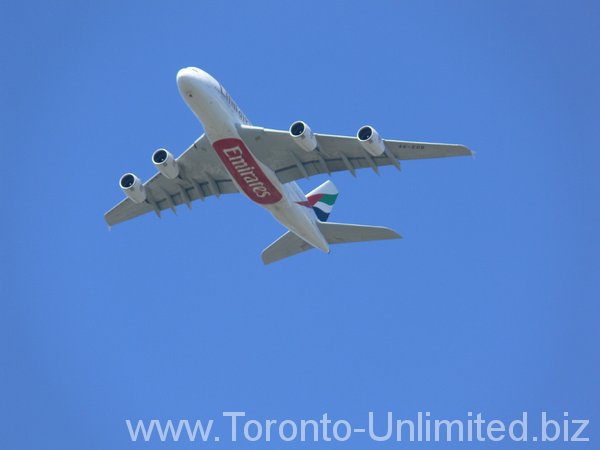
(371, 141)
(133, 188)
(303, 136)
(165, 163)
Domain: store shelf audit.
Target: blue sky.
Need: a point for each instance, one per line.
(489, 303)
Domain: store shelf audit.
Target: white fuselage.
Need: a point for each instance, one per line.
(222, 118)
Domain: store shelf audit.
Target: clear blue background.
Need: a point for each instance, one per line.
(489, 303)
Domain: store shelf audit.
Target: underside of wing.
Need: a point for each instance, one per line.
(200, 175)
(279, 151)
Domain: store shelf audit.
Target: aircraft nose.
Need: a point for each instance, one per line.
(185, 79)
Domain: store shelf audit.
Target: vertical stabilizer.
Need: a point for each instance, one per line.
(322, 199)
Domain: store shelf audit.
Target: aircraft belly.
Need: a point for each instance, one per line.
(295, 218)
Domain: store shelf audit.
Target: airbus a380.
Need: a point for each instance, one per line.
(263, 164)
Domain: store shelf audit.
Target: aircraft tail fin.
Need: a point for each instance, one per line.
(335, 233)
(322, 199)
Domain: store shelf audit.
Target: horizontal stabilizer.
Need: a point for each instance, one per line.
(335, 233)
(340, 233)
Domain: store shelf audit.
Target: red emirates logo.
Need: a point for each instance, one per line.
(246, 171)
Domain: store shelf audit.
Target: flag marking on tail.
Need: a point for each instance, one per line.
(321, 200)
(321, 203)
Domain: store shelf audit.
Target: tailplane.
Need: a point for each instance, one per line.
(335, 233)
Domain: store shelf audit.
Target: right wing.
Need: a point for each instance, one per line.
(201, 175)
(277, 149)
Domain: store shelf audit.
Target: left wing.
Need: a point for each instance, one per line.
(201, 175)
(277, 149)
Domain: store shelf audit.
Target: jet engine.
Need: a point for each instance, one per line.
(371, 141)
(133, 187)
(303, 136)
(165, 163)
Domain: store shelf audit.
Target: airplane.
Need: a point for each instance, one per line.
(263, 164)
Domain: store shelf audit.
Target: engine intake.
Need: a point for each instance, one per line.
(133, 188)
(370, 140)
(303, 136)
(165, 163)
